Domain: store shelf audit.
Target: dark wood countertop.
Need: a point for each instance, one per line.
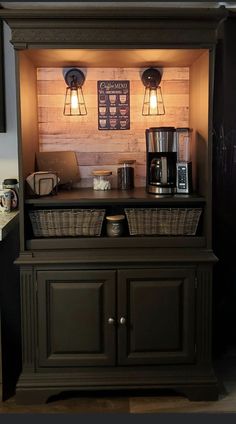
(82, 197)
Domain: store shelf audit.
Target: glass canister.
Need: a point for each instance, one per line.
(183, 144)
(102, 179)
(115, 225)
(125, 174)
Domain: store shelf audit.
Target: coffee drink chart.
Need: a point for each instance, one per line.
(113, 105)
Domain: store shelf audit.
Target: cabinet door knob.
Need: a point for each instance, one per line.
(122, 320)
(111, 321)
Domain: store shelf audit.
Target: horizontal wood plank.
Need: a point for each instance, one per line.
(56, 74)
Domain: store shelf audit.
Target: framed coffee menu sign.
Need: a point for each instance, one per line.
(113, 105)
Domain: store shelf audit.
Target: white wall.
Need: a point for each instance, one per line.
(8, 140)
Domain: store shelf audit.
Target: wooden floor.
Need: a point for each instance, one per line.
(136, 403)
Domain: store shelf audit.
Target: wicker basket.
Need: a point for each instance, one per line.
(163, 221)
(67, 222)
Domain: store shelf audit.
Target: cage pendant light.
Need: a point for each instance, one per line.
(74, 99)
(153, 101)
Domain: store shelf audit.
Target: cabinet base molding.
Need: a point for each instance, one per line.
(40, 387)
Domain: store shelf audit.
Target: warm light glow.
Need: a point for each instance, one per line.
(74, 99)
(153, 100)
(74, 104)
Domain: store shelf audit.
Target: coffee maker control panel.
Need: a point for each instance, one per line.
(184, 177)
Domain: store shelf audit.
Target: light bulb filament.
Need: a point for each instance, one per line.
(153, 99)
(74, 99)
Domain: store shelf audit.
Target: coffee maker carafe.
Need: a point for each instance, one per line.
(161, 161)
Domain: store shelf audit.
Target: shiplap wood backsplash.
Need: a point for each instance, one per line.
(101, 149)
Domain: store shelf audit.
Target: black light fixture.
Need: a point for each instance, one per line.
(74, 99)
(153, 102)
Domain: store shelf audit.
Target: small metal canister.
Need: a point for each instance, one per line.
(125, 174)
(115, 225)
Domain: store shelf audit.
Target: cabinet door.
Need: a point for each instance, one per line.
(156, 309)
(74, 308)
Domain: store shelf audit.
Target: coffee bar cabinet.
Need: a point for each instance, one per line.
(128, 312)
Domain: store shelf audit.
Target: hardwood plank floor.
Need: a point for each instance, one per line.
(155, 402)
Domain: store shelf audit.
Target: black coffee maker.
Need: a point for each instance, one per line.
(161, 149)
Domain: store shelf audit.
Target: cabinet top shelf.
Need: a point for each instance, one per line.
(92, 197)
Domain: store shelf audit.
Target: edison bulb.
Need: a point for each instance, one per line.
(74, 99)
(153, 100)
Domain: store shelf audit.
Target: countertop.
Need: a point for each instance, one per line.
(7, 222)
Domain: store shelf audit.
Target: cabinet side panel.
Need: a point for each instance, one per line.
(27, 121)
(29, 117)
(28, 318)
(204, 314)
(200, 121)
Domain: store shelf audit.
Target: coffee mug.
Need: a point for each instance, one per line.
(6, 199)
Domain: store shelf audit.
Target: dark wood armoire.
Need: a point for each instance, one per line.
(130, 312)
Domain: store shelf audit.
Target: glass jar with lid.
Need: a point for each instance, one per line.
(125, 174)
(115, 225)
(184, 136)
(102, 179)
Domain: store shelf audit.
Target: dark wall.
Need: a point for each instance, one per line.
(224, 191)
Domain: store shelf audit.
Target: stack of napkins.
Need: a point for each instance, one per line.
(42, 182)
